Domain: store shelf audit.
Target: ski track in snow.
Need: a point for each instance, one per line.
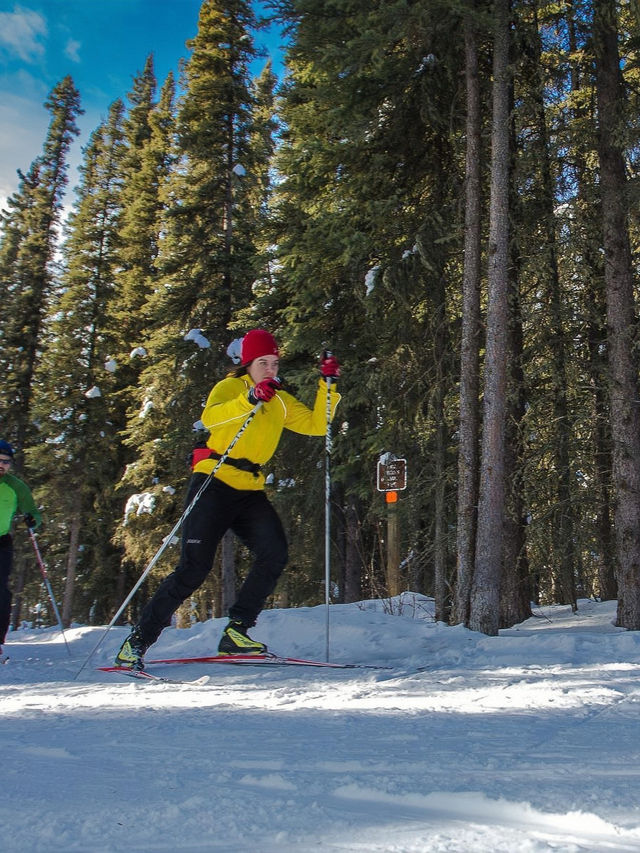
(528, 741)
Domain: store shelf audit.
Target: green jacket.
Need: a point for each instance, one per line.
(15, 496)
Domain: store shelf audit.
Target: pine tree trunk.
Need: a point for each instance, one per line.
(608, 586)
(515, 591)
(485, 593)
(601, 436)
(352, 557)
(562, 524)
(35, 258)
(441, 584)
(470, 345)
(621, 318)
(595, 300)
(72, 561)
(514, 581)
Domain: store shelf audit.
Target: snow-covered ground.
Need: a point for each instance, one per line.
(529, 741)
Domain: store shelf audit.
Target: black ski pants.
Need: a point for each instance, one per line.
(250, 515)
(6, 564)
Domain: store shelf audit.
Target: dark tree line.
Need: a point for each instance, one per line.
(444, 195)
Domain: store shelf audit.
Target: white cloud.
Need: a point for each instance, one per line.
(23, 127)
(72, 50)
(20, 33)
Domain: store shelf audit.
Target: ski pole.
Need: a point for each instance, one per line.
(327, 511)
(167, 541)
(45, 576)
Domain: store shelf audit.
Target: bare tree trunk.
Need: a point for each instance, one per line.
(601, 439)
(72, 562)
(484, 611)
(563, 525)
(441, 585)
(515, 597)
(607, 583)
(595, 300)
(621, 316)
(515, 587)
(353, 555)
(470, 345)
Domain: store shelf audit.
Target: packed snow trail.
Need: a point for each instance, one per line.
(525, 741)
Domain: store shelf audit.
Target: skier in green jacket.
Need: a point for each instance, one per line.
(15, 496)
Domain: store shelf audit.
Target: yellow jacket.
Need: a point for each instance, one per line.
(227, 409)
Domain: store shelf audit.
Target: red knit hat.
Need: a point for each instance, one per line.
(257, 343)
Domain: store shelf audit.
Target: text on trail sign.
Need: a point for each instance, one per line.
(392, 475)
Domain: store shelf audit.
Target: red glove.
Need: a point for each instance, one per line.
(264, 391)
(330, 366)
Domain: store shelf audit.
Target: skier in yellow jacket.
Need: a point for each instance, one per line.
(235, 498)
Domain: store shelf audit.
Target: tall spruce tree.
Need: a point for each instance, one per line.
(146, 165)
(484, 614)
(469, 401)
(621, 312)
(366, 234)
(149, 131)
(207, 260)
(365, 255)
(585, 265)
(76, 412)
(28, 276)
(542, 218)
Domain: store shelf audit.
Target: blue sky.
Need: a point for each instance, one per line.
(102, 44)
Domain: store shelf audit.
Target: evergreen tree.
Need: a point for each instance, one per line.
(484, 610)
(184, 235)
(621, 313)
(146, 164)
(31, 236)
(149, 133)
(470, 331)
(77, 416)
(207, 260)
(367, 230)
(541, 218)
(585, 265)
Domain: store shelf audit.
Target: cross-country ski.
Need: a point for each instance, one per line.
(267, 659)
(142, 675)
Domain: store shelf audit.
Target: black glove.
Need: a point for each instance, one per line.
(265, 391)
(30, 521)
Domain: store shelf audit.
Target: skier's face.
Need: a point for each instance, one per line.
(265, 367)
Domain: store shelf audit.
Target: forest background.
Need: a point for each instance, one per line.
(443, 193)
